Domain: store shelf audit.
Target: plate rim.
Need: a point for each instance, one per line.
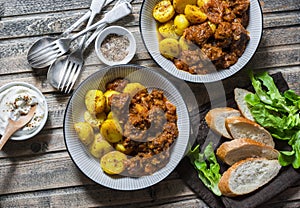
(208, 78)
(168, 169)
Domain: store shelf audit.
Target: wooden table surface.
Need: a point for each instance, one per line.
(39, 172)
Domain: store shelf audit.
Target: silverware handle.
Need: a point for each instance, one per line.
(84, 17)
(77, 23)
(115, 14)
(93, 36)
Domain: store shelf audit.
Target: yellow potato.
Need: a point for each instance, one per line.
(163, 11)
(167, 30)
(201, 3)
(111, 130)
(85, 132)
(95, 101)
(113, 162)
(180, 23)
(212, 26)
(110, 115)
(107, 94)
(169, 48)
(94, 120)
(179, 5)
(194, 14)
(184, 44)
(133, 88)
(120, 147)
(100, 147)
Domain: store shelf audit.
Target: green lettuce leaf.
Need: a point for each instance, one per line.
(278, 113)
(207, 166)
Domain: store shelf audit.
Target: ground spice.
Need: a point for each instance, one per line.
(114, 47)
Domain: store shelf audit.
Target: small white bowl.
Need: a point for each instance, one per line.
(42, 106)
(119, 31)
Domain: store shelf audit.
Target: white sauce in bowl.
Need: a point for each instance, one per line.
(16, 101)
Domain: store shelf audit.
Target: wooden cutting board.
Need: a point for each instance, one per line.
(283, 180)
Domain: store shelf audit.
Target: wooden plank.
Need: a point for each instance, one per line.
(49, 24)
(279, 5)
(37, 173)
(25, 7)
(97, 196)
(24, 172)
(281, 19)
(276, 57)
(280, 36)
(22, 7)
(48, 141)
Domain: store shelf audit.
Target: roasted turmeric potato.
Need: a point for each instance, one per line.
(179, 5)
(212, 26)
(111, 130)
(85, 132)
(180, 23)
(194, 14)
(201, 3)
(107, 94)
(94, 120)
(184, 44)
(113, 162)
(133, 88)
(163, 11)
(100, 146)
(95, 101)
(120, 147)
(168, 30)
(169, 48)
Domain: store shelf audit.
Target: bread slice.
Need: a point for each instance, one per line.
(239, 97)
(240, 127)
(247, 176)
(239, 149)
(215, 119)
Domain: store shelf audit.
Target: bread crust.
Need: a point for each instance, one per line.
(239, 97)
(224, 181)
(239, 149)
(238, 120)
(218, 115)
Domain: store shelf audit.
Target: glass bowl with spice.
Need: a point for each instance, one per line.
(115, 45)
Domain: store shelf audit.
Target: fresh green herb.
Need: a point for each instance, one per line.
(279, 113)
(207, 166)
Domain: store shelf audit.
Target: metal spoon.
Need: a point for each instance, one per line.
(40, 44)
(13, 126)
(58, 70)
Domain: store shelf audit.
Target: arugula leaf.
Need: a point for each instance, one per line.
(208, 171)
(279, 113)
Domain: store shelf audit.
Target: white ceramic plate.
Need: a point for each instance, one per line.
(42, 105)
(148, 28)
(76, 108)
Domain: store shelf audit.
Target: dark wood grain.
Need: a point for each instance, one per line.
(40, 173)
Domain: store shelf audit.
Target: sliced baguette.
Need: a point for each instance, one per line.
(247, 176)
(239, 149)
(215, 119)
(239, 97)
(240, 127)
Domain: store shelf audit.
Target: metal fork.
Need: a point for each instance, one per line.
(75, 59)
(74, 63)
(44, 51)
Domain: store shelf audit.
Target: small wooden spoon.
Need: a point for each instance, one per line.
(13, 126)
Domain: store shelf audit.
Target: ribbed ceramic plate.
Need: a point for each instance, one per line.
(148, 28)
(76, 108)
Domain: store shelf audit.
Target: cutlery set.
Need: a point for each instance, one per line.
(64, 70)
